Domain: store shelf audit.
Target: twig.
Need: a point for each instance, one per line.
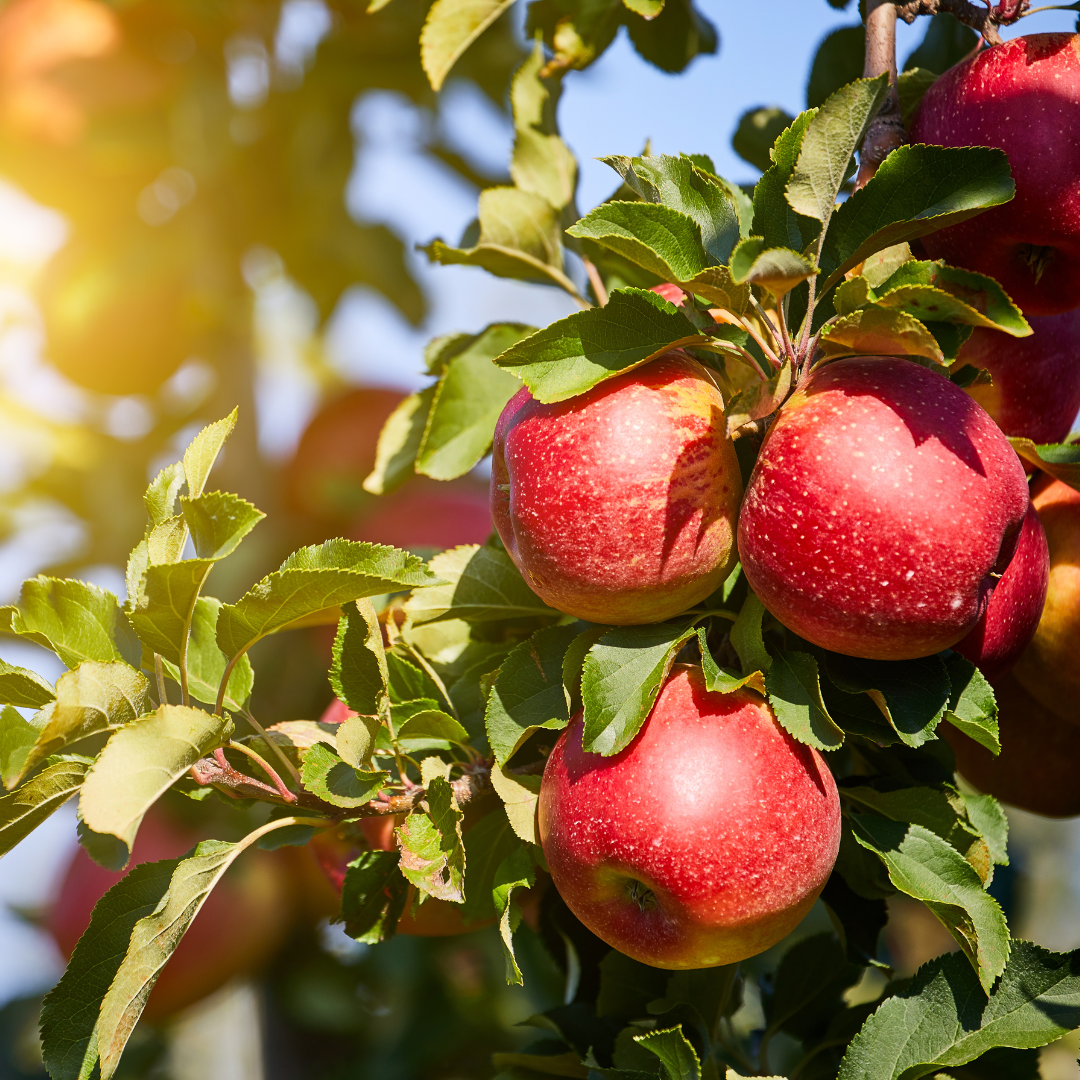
(748, 326)
(159, 670)
(266, 767)
(982, 19)
(886, 130)
(596, 281)
(777, 339)
(282, 756)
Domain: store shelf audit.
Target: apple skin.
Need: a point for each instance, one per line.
(732, 824)
(619, 505)
(242, 922)
(1048, 668)
(1015, 606)
(1024, 97)
(1036, 389)
(1036, 769)
(428, 515)
(881, 504)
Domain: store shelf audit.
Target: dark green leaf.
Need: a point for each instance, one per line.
(774, 220)
(777, 269)
(746, 638)
(946, 42)
(972, 707)
(359, 673)
(837, 62)
(757, 131)
(911, 86)
(516, 871)
(23, 810)
(372, 897)
(678, 1059)
(794, 693)
(985, 813)
(337, 782)
(721, 681)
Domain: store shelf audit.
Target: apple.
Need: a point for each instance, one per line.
(427, 516)
(1036, 390)
(1048, 668)
(1012, 613)
(1024, 97)
(239, 927)
(1036, 769)
(619, 505)
(880, 511)
(704, 842)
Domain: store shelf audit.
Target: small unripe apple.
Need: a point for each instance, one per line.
(1049, 668)
(704, 842)
(1015, 606)
(881, 510)
(1036, 380)
(1036, 769)
(1023, 97)
(619, 505)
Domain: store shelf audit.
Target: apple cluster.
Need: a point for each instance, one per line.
(886, 517)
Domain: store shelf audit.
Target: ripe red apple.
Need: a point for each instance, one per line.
(241, 924)
(1049, 668)
(1012, 613)
(619, 505)
(1036, 389)
(704, 842)
(1023, 97)
(428, 515)
(881, 507)
(1036, 769)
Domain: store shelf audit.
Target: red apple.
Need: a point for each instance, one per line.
(1036, 389)
(704, 842)
(619, 505)
(428, 515)
(241, 924)
(882, 507)
(1036, 769)
(1049, 668)
(1024, 97)
(1012, 613)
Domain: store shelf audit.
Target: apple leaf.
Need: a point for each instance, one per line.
(92, 698)
(924, 866)
(879, 331)
(202, 453)
(911, 694)
(664, 241)
(450, 28)
(23, 688)
(774, 219)
(139, 764)
(432, 854)
(718, 679)
(427, 724)
(529, 692)
(218, 522)
(916, 190)
(372, 897)
(574, 354)
(482, 585)
(335, 781)
(972, 707)
(77, 621)
(516, 871)
(831, 139)
(17, 738)
(758, 399)
(468, 400)
(678, 1059)
(911, 86)
(859, 920)
(399, 443)
(1059, 460)
(488, 842)
(161, 494)
(358, 672)
(165, 602)
(943, 1019)
(520, 793)
(312, 579)
(70, 1011)
(794, 692)
(986, 815)
(623, 674)
(776, 269)
(23, 810)
(714, 283)
(811, 973)
(407, 682)
(757, 131)
(746, 637)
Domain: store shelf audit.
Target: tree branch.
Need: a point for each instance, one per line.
(886, 131)
(982, 19)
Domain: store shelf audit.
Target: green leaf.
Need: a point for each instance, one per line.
(77, 621)
(664, 241)
(520, 793)
(714, 283)
(916, 190)
(22, 811)
(516, 871)
(529, 692)
(468, 402)
(912, 695)
(837, 62)
(450, 28)
(678, 1059)
(92, 698)
(924, 866)
(23, 688)
(70, 1011)
(312, 579)
(912, 86)
(160, 497)
(759, 399)
(721, 681)
(17, 738)
(372, 896)
(335, 781)
(879, 331)
(1059, 460)
(574, 354)
(399, 443)
(141, 762)
(831, 139)
(482, 585)
(986, 814)
(746, 638)
(774, 219)
(944, 1020)
(757, 131)
(164, 604)
(777, 269)
(972, 707)
(218, 522)
(794, 691)
(623, 674)
(203, 451)
(407, 682)
(432, 854)
(428, 724)
(359, 673)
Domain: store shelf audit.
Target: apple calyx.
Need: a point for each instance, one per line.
(1037, 257)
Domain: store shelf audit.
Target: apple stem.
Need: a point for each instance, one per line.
(886, 130)
(596, 281)
(267, 768)
(159, 670)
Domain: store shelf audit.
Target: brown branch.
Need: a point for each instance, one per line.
(886, 131)
(981, 18)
